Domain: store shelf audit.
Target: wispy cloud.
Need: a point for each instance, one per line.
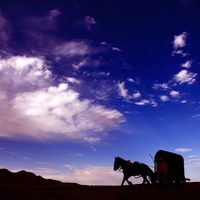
(73, 80)
(73, 48)
(88, 22)
(5, 29)
(116, 49)
(183, 150)
(143, 102)
(123, 92)
(131, 80)
(163, 86)
(88, 175)
(196, 116)
(50, 20)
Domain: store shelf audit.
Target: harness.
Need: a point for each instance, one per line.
(121, 170)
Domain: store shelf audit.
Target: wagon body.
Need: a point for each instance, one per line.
(169, 167)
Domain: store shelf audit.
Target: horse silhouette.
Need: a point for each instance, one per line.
(133, 169)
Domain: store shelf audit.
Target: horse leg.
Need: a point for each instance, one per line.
(145, 180)
(129, 182)
(126, 179)
(123, 180)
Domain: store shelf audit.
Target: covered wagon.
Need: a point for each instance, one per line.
(169, 167)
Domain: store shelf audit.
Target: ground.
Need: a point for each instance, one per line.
(37, 188)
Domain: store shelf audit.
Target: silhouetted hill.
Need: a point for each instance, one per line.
(24, 185)
(23, 177)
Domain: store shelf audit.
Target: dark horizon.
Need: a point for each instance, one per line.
(84, 81)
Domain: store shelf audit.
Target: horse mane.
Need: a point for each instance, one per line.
(120, 158)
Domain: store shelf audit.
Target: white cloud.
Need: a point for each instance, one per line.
(142, 102)
(131, 80)
(183, 150)
(136, 95)
(21, 73)
(175, 94)
(33, 106)
(184, 101)
(116, 49)
(185, 77)
(163, 86)
(164, 98)
(58, 112)
(73, 80)
(180, 40)
(123, 92)
(73, 48)
(179, 43)
(187, 64)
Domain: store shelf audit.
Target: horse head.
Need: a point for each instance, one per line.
(117, 163)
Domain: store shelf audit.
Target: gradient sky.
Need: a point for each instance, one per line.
(84, 81)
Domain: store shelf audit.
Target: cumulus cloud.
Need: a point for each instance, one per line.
(33, 106)
(184, 76)
(187, 64)
(22, 73)
(175, 94)
(179, 43)
(180, 40)
(164, 98)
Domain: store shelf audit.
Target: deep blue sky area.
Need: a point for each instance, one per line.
(84, 81)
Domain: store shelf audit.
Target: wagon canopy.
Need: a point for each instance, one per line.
(174, 162)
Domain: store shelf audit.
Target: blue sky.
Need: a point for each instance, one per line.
(83, 81)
